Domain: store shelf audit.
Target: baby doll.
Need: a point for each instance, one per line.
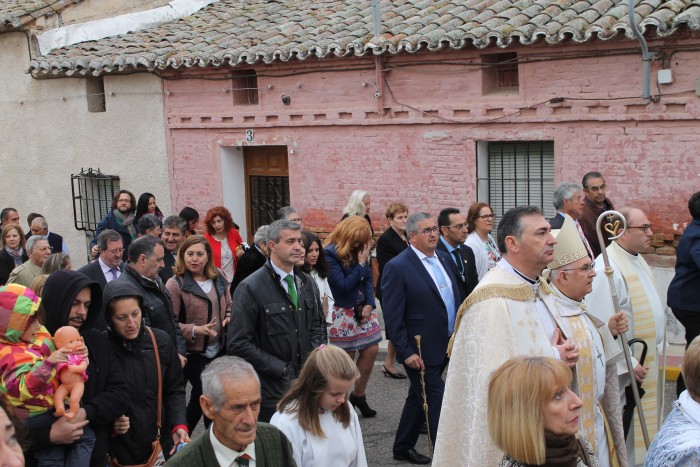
(71, 373)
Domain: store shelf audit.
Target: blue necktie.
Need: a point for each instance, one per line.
(443, 287)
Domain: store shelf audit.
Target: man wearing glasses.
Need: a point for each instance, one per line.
(571, 275)
(420, 296)
(453, 234)
(594, 204)
(639, 299)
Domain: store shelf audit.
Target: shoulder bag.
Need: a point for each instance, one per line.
(157, 448)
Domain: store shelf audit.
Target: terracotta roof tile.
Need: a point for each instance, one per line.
(14, 14)
(235, 32)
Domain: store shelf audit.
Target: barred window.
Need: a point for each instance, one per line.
(515, 173)
(245, 87)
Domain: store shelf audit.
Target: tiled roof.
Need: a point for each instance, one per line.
(16, 13)
(235, 32)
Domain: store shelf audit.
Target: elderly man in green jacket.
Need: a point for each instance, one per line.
(231, 399)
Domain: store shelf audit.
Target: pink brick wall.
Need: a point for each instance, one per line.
(419, 144)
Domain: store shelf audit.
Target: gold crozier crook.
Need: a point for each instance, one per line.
(613, 228)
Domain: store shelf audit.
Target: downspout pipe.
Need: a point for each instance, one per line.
(646, 57)
(378, 59)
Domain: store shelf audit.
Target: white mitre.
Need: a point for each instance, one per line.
(569, 247)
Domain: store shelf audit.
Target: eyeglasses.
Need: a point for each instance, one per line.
(429, 230)
(116, 251)
(298, 220)
(586, 268)
(644, 227)
(487, 217)
(458, 226)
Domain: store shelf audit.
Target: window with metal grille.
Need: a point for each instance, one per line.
(517, 173)
(245, 87)
(500, 73)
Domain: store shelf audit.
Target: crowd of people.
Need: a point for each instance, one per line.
(278, 339)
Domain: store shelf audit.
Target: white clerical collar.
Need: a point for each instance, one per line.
(225, 455)
(689, 406)
(506, 266)
(572, 304)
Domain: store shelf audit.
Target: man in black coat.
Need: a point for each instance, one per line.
(253, 259)
(72, 299)
(453, 233)
(145, 259)
(277, 318)
(174, 228)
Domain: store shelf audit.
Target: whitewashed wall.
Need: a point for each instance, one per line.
(46, 139)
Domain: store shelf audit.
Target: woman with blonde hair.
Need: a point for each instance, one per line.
(355, 326)
(315, 416)
(13, 250)
(533, 415)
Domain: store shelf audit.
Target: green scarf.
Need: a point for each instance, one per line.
(126, 221)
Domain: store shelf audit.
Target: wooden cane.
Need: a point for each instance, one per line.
(425, 397)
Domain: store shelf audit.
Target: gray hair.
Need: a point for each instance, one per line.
(143, 246)
(564, 192)
(31, 241)
(274, 233)
(108, 235)
(355, 205)
(175, 222)
(148, 222)
(54, 262)
(261, 234)
(282, 213)
(229, 368)
(414, 219)
(42, 223)
(511, 224)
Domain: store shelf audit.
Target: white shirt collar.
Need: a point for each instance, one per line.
(690, 407)
(225, 455)
(421, 255)
(280, 272)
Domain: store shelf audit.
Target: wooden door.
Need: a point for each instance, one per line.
(267, 184)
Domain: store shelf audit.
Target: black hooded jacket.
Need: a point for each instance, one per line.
(138, 364)
(105, 389)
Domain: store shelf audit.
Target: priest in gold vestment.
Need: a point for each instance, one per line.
(639, 300)
(511, 312)
(571, 276)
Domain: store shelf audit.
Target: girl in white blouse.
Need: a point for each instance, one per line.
(316, 416)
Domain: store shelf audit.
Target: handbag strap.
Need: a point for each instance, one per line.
(160, 381)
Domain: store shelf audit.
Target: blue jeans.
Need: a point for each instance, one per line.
(59, 455)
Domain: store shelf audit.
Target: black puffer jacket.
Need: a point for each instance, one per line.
(138, 364)
(268, 333)
(105, 389)
(157, 306)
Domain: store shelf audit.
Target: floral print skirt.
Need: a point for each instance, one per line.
(350, 335)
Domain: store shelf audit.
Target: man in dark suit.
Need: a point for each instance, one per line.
(253, 259)
(107, 267)
(174, 228)
(421, 295)
(568, 199)
(453, 234)
(39, 226)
